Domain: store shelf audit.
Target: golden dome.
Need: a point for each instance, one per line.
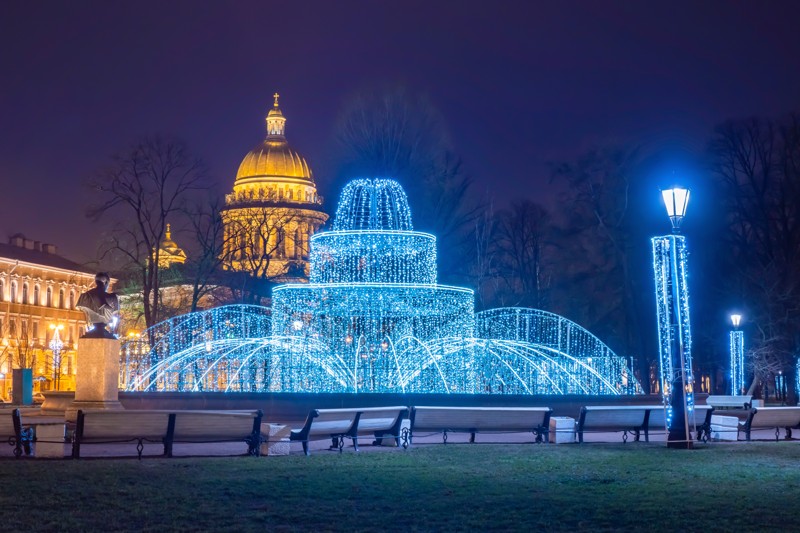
(169, 251)
(273, 158)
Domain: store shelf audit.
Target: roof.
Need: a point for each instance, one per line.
(38, 257)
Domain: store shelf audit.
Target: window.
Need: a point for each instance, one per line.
(12, 328)
(14, 291)
(24, 293)
(2, 290)
(72, 299)
(36, 295)
(49, 296)
(62, 302)
(298, 244)
(281, 244)
(36, 330)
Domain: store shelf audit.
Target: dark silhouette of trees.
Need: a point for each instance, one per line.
(757, 165)
(597, 283)
(142, 190)
(395, 134)
(523, 234)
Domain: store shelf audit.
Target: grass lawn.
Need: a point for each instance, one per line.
(719, 487)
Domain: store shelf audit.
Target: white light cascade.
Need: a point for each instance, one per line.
(374, 319)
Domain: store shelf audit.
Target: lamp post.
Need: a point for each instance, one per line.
(737, 357)
(56, 345)
(674, 331)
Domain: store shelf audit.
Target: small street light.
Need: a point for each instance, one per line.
(56, 345)
(737, 357)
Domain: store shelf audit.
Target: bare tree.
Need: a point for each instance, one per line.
(205, 265)
(757, 164)
(483, 270)
(596, 248)
(393, 133)
(262, 246)
(141, 191)
(523, 232)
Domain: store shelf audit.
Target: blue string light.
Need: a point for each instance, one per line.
(737, 363)
(670, 252)
(374, 319)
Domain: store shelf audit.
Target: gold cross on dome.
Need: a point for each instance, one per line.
(276, 96)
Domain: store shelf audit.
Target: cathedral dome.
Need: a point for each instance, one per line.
(273, 158)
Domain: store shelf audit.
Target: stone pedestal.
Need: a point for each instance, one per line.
(97, 378)
(562, 429)
(277, 439)
(389, 441)
(724, 427)
(49, 440)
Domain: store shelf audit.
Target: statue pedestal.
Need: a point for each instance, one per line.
(97, 379)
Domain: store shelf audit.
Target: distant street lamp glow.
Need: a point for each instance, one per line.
(737, 357)
(676, 199)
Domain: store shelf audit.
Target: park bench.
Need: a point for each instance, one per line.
(11, 431)
(700, 418)
(627, 419)
(167, 428)
(729, 402)
(338, 424)
(772, 418)
(474, 420)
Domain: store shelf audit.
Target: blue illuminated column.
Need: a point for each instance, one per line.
(737, 357)
(674, 331)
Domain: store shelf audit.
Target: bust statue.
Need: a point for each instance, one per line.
(100, 308)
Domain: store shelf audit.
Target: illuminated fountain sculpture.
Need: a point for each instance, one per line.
(374, 319)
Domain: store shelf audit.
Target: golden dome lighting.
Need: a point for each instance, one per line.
(273, 209)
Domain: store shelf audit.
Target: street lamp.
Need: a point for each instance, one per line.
(737, 357)
(56, 345)
(674, 330)
(676, 200)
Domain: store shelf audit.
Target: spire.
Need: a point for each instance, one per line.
(276, 122)
(169, 232)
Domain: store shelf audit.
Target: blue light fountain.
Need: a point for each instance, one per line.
(373, 319)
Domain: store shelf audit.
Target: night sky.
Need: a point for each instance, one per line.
(519, 84)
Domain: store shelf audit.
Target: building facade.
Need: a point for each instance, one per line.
(39, 324)
(273, 209)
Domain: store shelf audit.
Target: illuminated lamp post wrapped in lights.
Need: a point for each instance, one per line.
(56, 345)
(737, 357)
(674, 331)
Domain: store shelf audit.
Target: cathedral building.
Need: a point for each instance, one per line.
(273, 210)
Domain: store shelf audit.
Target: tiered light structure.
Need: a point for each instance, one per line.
(374, 319)
(737, 357)
(674, 329)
